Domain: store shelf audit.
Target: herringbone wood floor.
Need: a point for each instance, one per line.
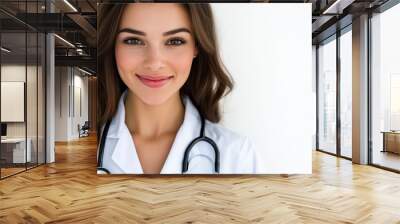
(69, 191)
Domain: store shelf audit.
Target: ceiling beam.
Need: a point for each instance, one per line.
(337, 6)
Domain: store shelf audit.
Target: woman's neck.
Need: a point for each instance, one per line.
(150, 121)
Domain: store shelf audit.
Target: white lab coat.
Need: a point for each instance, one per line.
(236, 153)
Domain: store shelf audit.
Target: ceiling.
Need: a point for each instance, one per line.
(329, 16)
(75, 22)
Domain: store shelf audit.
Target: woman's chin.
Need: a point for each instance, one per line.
(154, 100)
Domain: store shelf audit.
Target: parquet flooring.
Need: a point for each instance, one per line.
(69, 191)
(9, 171)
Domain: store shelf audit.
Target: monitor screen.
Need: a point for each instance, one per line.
(3, 129)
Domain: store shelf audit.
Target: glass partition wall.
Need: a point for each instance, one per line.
(335, 90)
(327, 95)
(346, 93)
(22, 87)
(334, 58)
(385, 89)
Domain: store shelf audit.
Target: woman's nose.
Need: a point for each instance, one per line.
(154, 59)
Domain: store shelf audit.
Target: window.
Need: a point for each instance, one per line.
(327, 97)
(22, 65)
(385, 88)
(346, 93)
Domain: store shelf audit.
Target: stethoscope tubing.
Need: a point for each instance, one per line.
(185, 161)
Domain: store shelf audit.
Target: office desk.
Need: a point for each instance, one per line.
(13, 150)
(391, 141)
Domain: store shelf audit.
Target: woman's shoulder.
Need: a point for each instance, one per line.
(228, 139)
(219, 132)
(234, 148)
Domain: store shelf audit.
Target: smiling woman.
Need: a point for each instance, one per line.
(153, 54)
(160, 83)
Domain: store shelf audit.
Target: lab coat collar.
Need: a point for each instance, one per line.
(188, 131)
(124, 153)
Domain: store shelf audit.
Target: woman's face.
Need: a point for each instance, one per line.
(154, 50)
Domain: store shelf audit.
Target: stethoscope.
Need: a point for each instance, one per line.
(185, 161)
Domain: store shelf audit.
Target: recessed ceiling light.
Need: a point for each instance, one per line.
(338, 6)
(84, 71)
(70, 5)
(64, 40)
(5, 50)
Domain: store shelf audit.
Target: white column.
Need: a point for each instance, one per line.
(50, 94)
(360, 90)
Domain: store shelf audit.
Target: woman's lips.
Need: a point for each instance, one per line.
(154, 81)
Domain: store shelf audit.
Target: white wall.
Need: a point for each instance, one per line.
(268, 50)
(68, 83)
(14, 73)
(12, 101)
(61, 103)
(17, 73)
(33, 126)
(80, 83)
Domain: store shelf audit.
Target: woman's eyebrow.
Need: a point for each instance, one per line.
(174, 31)
(133, 31)
(138, 32)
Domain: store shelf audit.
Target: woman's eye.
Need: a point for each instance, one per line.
(133, 41)
(176, 42)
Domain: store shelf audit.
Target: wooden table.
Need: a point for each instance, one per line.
(391, 141)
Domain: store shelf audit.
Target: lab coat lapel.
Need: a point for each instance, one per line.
(188, 131)
(124, 153)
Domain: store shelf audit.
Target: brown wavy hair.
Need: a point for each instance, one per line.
(208, 80)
